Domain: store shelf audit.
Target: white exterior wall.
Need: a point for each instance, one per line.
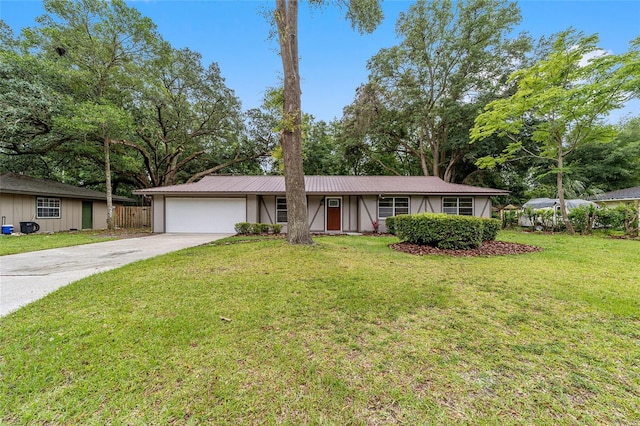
(252, 209)
(267, 209)
(350, 213)
(317, 213)
(157, 219)
(368, 205)
(482, 207)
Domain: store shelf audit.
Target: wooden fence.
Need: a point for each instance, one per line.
(132, 217)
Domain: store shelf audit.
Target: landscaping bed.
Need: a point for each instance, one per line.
(488, 248)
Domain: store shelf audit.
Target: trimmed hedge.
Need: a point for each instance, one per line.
(490, 228)
(246, 228)
(391, 224)
(446, 231)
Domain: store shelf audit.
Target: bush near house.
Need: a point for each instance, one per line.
(445, 231)
(247, 228)
(490, 228)
(391, 224)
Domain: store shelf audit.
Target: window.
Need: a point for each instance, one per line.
(458, 205)
(281, 210)
(392, 206)
(47, 208)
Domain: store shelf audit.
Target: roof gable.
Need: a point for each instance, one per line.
(12, 183)
(347, 185)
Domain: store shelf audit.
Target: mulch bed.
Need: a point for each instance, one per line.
(488, 248)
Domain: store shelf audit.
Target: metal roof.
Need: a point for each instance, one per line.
(12, 183)
(543, 203)
(346, 185)
(620, 194)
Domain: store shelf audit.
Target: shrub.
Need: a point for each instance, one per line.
(276, 228)
(243, 228)
(611, 218)
(260, 228)
(623, 217)
(440, 230)
(246, 228)
(490, 229)
(582, 218)
(547, 218)
(510, 218)
(391, 225)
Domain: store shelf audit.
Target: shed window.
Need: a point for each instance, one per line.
(47, 208)
(281, 210)
(458, 205)
(392, 206)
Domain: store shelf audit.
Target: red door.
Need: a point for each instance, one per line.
(333, 214)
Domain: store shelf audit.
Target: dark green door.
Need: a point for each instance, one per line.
(87, 215)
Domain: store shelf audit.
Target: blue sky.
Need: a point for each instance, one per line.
(234, 34)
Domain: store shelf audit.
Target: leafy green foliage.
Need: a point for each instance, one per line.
(610, 166)
(424, 93)
(582, 218)
(440, 230)
(623, 217)
(510, 218)
(246, 228)
(243, 228)
(560, 102)
(490, 229)
(391, 224)
(275, 228)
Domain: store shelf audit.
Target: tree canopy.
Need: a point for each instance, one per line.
(560, 104)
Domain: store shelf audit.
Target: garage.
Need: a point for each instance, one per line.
(204, 215)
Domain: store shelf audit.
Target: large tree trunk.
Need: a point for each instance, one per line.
(560, 183)
(291, 138)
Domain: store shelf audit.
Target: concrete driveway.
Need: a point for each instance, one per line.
(27, 277)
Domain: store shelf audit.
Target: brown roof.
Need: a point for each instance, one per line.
(12, 183)
(346, 185)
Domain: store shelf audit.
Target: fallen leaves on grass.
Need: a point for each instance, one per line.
(488, 248)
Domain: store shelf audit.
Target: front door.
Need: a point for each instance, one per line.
(87, 215)
(334, 214)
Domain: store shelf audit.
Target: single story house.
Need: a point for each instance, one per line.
(616, 198)
(336, 203)
(54, 206)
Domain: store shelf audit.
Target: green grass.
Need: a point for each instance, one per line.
(13, 244)
(342, 332)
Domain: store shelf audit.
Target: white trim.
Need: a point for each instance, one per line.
(47, 206)
(393, 207)
(458, 197)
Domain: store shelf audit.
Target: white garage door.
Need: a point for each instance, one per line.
(204, 215)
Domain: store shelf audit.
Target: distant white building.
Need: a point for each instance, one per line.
(551, 204)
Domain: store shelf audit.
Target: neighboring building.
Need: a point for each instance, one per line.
(54, 206)
(621, 196)
(551, 204)
(336, 203)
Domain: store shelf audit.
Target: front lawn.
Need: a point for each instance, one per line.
(15, 244)
(343, 332)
